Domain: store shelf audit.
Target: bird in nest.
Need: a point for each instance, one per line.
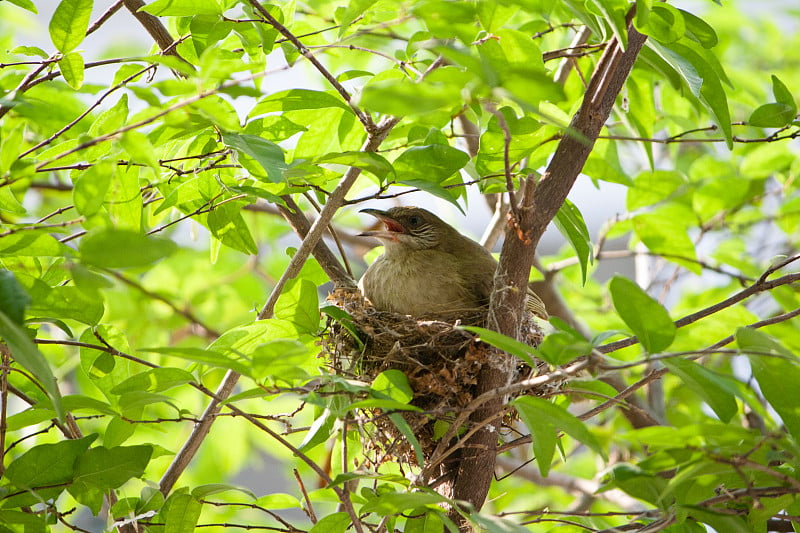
(429, 269)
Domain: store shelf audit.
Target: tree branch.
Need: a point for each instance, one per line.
(539, 204)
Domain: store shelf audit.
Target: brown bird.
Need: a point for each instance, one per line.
(430, 270)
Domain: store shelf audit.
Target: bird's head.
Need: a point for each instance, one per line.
(408, 227)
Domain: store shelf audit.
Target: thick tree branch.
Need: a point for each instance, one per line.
(538, 205)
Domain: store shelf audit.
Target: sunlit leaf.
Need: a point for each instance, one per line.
(69, 24)
(646, 317)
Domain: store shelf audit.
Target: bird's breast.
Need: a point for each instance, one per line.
(423, 283)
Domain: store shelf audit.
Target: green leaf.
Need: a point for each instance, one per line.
(653, 187)
(25, 352)
(703, 78)
(772, 115)
(333, 523)
(29, 50)
(268, 154)
(47, 464)
(227, 225)
(279, 500)
(296, 99)
(199, 355)
(69, 24)
(647, 318)
(108, 468)
(208, 30)
(505, 343)
(397, 502)
(543, 418)
(403, 426)
(320, 431)
(125, 199)
(699, 30)
(181, 512)
(716, 390)
(561, 347)
(299, 304)
(636, 482)
(26, 4)
(430, 522)
(420, 166)
(570, 223)
(392, 384)
(118, 431)
(112, 248)
(718, 521)
(72, 68)
(154, 380)
(664, 232)
(13, 298)
(402, 97)
(204, 491)
(140, 149)
(89, 190)
(65, 303)
(281, 359)
(782, 94)
(343, 317)
(664, 23)
(183, 8)
(496, 524)
(371, 162)
(777, 371)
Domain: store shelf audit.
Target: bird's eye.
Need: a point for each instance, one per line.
(414, 220)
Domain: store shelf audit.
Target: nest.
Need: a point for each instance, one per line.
(441, 361)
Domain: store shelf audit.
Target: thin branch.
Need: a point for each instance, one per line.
(364, 118)
(107, 14)
(760, 286)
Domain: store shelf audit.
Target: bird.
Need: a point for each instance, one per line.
(429, 269)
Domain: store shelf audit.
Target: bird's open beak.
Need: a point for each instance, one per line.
(393, 227)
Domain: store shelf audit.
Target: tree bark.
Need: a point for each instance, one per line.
(537, 206)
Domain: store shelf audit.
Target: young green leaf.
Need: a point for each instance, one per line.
(25, 352)
(72, 69)
(13, 298)
(717, 391)
(268, 154)
(570, 223)
(369, 161)
(647, 318)
(772, 115)
(333, 523)
(782, 94)
(108, 468)
(505, 343)
(777, 371)
(181, 512)
(183, 8)
(543, 418)
(47, 464)
(113, 248)
(69, 24)
(392, 384)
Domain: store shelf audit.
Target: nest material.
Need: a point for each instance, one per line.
(441, 361)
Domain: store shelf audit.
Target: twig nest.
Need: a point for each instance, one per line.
(441, 361)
